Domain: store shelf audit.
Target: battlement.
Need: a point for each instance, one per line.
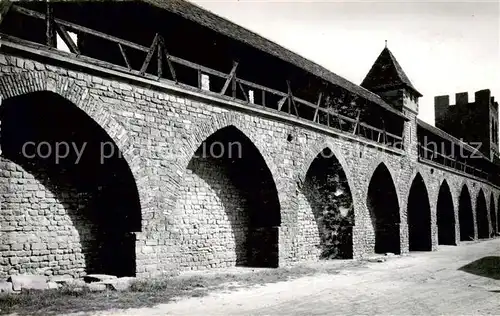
(462, 98)
(442, 102)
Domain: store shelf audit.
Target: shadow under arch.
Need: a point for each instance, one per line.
(483, 230)
(91, 182)
(383, 205)
(329, 197)
(419, 216)
(493, 216)
(227, 179)
(465, 215)
(445, 216)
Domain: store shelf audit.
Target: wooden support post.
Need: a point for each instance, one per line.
(163, 50)
(149, 55)
(291, 100)
(125, 59)
(357, 122)
(315, 118)
(61, 30)
(281, 102)
(243, 91)
(199, 78)
(4, 9)
(230, 78)
(159, 53)
(263, 98)
(50, 32)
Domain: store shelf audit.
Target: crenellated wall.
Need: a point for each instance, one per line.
(192, 212)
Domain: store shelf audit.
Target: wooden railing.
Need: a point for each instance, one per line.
(451, 162)
(233, 87)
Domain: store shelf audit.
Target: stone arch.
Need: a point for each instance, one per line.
(445, 215)
(482, 215)
(465, 214)
(383, 204)
(202, 131)
(235, 212)
(96, 200)
(419, 216)
(326, 208)
(314, 151)
(28, 82)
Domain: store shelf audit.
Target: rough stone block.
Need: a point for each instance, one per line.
(98, 277)
(28, 282)
(6, 287)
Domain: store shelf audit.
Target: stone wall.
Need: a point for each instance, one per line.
(158, 127)
(42, 231)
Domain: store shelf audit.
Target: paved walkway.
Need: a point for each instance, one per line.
(426, 283)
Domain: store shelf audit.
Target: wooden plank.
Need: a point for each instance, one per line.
(5, 6)
(79, 28)
(61, 30)
(50, 31)
(192, 65)
(317, 107)
(151, 51)
(122, 51)
(229, 79)
(263, 88)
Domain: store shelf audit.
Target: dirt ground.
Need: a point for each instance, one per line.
(463, 280)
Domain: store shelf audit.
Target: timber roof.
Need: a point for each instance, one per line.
(220, 25)
(387, 73)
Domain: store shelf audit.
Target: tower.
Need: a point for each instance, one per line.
(387, 79)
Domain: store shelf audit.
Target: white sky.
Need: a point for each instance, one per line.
(444, 47)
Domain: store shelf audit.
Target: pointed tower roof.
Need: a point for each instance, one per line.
(386, 74)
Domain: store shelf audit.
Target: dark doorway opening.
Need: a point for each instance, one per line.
(419, 216)
(445, 216)
(465, 216)
(382, 202)
(329, 196)
(483, 229)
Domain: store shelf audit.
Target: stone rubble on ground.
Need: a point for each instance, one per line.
(94, 282)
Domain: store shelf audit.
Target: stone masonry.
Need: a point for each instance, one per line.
(192, 213)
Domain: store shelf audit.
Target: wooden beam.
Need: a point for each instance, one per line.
(281, 102)
(199, 78)
(61, 30)
(159, 53)
(50, 32)
(229, 79)
(122, 51)
(79, 28)
(169, 62)
(4, 9)
(291, 99)
(151, 51)
(357, 122)
(243, 91)
(317, 107)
